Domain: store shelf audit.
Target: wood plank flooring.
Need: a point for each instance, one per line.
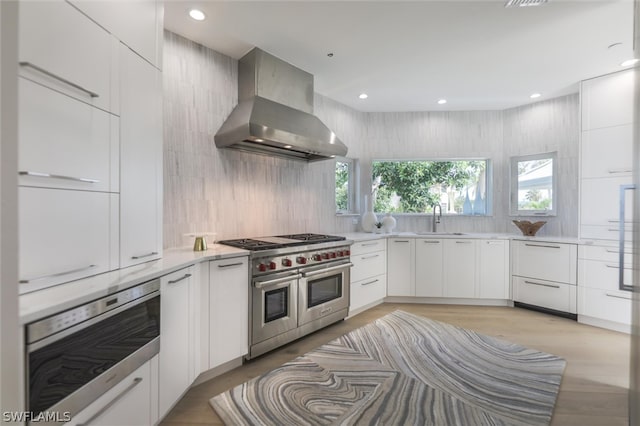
(593, 390)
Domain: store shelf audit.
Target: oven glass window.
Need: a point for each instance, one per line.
(276, 304)
(60, 368)
(323, 290)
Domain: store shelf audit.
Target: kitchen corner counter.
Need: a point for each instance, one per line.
(42, 303)
(365, 236)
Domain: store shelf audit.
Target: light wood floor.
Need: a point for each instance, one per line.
(594, 386)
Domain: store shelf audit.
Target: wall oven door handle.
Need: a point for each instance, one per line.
(267, 283)
(325, 270)
(621, 284)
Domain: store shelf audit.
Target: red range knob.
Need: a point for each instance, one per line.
(325, 255)
(262, 267)
(286, 262)
(301, 260)
(347, 252)
(333, 255)
(340, 253)
(272, 265)
(317, 257)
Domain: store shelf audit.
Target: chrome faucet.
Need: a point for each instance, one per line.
(436, 219)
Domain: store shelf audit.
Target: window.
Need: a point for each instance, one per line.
(458, 186)
(533, 185)
(345, 185)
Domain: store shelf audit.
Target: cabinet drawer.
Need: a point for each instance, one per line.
(605, 304)
(604, 253)
(70, 141)
(65, 50)
(547, 294)
(367, 291)
(600, 201)
(362, 247)
(64, 235)
(603, 275)
(607, 152)
(610, 232)
(545, 261)
(368, 265)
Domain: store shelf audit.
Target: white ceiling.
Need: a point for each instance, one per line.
(407, 55)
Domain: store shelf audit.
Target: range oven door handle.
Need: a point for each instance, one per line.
(267, 283)
(325, 270)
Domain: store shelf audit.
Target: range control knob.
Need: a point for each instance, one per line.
(340, 253)
(272, 265)
(286, 262)
(301, 260)
(317, 257)
(262, 267)
(325, 255)
(347, 252)
(332, 255)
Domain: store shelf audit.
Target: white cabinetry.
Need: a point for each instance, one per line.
(176, 349)
(141, 160)
(493, 269)
(228, 310)
(368, 275)
(429, 267)
(127, 403)
(459, 268)
(544, 274)
(400, 267)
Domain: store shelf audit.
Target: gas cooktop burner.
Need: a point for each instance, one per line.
(281, 241)
(313, 237)
(251, 244)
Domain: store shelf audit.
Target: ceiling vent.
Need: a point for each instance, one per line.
(524, 3)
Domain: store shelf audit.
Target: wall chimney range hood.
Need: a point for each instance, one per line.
(274, 115)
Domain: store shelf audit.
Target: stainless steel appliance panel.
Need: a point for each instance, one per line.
(323, 290)
(275, 305)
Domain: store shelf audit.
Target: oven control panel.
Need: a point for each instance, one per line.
(270, 264)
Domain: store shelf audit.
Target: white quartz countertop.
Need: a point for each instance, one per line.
(42, 303)
(365, 236)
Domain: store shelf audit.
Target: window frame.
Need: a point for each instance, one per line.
(352, 171)
(514, 209)
(488, 183)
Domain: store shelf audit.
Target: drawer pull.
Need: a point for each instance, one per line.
(179, 279)
(370, 256)
(153, 253)
(618, 267)
(375, 243)
(617, 297)
(58, 274)
(542, 245)
(464, 242)
(617, 251)
(400, 241)
(431, 241)
(370, 282)
(229, 265)
(614, 171)
(60, 79)
(125, 391)
(543, 285)
(52, 176)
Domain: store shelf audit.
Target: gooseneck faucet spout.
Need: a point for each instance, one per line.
(436, 218)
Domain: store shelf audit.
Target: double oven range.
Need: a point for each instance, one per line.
(298, 284)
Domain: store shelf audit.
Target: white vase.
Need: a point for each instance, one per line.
(388, 223)
(369, 218)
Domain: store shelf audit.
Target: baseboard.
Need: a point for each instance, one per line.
(447, 301)
(549, 311)
(217, 371)
(609, 325)
(355, 312)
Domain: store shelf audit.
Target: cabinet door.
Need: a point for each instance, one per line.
(429, 268)
(606, 152)
(608, 305)
(459, 268)
(367, 291)
(545, 261)
(141, 160)
(174, 338)
(400, 267)
(493, 269)
(607, 100)
(63, 49)
(368, 265)
(229, 310)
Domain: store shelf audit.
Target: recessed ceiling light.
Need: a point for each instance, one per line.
(258, 140)
(535, 95)
(363, 96)
(442, 101)
(287, 146)
(196, 14)
(629, 62)
(524, 3)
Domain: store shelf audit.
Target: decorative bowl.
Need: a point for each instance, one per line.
(529, 229)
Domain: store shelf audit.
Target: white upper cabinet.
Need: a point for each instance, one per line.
(607, 101)
(142, 34)
(607, 152)
(63, 49)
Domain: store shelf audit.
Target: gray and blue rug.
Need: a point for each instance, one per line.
(402, 369)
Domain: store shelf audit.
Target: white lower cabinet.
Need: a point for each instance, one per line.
(608, 305)
(547, 294)
(228, 310)
(400, 267)
(175, 346)
(368, 275)
(493, 269)
(429, 267)
(130, 402)
(459, 268)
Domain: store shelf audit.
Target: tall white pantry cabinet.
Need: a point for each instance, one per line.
(605, 166)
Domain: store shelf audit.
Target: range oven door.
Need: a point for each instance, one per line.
(323, 291)
(275, 304)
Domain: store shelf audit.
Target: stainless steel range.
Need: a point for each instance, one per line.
(298, 284)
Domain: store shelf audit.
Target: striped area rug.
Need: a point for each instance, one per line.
(402, 369)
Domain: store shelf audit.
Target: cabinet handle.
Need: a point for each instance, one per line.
(125, 391)
(621, 237)
(267, 283)
(369, 257)
(617, 251)
(543, 285)
(179, 279)
(229, 265)
(400, 241)
(431, 241)
(52, 176)
(616, 296)
(464, 242)
(153, 253)
(370, 282)
(60, 79)
(57, 274)
(542, 245)
(369, 244)
(618, 267)
(614, 171)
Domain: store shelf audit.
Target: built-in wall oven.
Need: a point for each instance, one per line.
(296, 287)
(75, 356)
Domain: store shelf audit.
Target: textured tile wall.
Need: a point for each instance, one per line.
(239, 194)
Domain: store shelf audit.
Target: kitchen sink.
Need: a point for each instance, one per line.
(440, 233)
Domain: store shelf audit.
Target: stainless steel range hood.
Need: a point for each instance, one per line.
(274, 115)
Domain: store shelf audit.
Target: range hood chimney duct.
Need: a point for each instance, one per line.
(274, 115)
